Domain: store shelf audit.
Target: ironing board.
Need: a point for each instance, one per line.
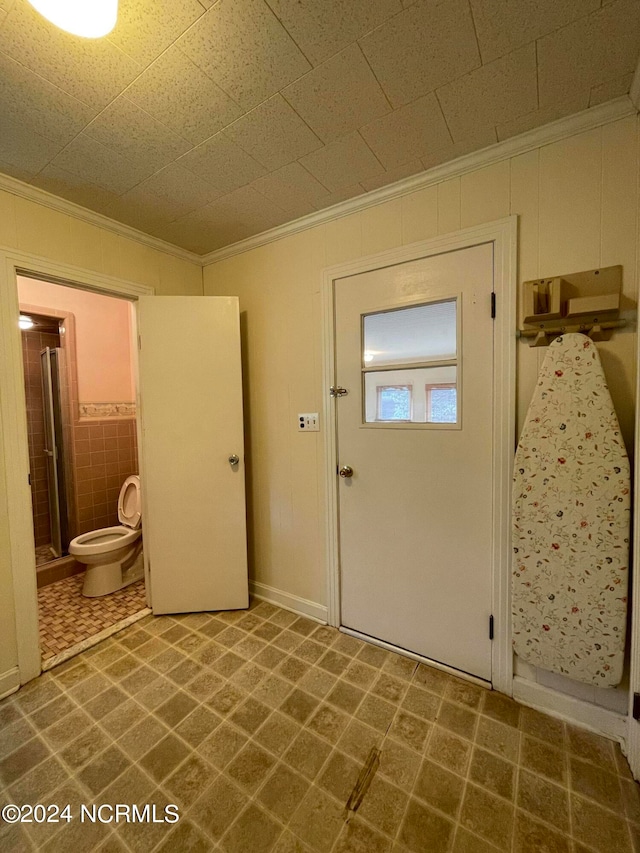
(571, 515)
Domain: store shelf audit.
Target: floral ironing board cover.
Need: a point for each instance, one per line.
(571, 516)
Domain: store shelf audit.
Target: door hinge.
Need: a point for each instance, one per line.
(337, 391)
(491, 627)
(139, 342)
(636, 706)
(29, 478)
(493, 305)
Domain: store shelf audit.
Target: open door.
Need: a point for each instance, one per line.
(192, 453)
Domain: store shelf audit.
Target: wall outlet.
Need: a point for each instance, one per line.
(309, 422)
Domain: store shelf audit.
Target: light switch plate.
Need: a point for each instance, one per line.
(309, 422)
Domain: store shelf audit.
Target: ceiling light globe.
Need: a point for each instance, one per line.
(87, 18)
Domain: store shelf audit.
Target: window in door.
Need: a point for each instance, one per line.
(442, 403)
(394, 403)
(410, 366)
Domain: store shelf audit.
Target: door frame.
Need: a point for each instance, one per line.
(503, 233)
(632, 745)
(14, 439)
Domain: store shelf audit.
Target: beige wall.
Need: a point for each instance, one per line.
(34, 228)
(577, 205)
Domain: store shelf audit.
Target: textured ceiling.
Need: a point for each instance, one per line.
(205, 122)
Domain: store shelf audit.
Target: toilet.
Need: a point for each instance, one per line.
(113, 555)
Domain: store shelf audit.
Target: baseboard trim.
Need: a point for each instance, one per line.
(301, 606)
(571, 710)
(9, 682)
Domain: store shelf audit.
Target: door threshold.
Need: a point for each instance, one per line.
(450, 670)
(83, 645)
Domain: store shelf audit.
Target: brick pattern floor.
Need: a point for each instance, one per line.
(66, 617)
(44, 554)
(260, 725)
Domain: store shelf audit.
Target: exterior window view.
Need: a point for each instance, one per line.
(318, 390)
(394, 403)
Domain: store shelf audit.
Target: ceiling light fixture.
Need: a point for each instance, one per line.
(25, 322)
(80, 18)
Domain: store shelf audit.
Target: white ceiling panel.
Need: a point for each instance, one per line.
(144, 30)
(223, 163)
(92, 70)
(74, 188)
(292, 187)
(23, 151)
(243, 47)
(344, 194)
(338, 96)
(482, 137)
(273, 133)
(143, 209)
(96, 164)
(502, 90)
(248, 208)
(543, 115)
(180, 186)
(322, 29)
(593, 50)
(27, 100)
(180, 95)
(503, 26)
(610, 90)
(125, 128)
(425, 46)
(408, 132)
(342, 163)
(390, 176)
(207, 121)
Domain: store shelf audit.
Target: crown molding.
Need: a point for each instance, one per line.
(536, 138)
(62, 205)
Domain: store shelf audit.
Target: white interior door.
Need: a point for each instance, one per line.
(414, 349)
(194, 521)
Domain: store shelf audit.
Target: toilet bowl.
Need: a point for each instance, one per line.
(113, 555)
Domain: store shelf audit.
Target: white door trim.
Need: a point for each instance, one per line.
(503, 233)
(14, 441)
(632, 734)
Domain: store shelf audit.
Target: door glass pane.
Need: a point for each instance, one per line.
(394, 403)
(418, 395)
(442, 404)
(409, 335)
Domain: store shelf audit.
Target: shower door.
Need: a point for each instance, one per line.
(53, 396)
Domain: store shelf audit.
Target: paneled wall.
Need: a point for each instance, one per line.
(41, 231)
(576, 200)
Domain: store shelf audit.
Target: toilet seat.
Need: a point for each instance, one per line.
(129, 510)
(103, 541)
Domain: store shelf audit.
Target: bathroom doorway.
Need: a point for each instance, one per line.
(80, 391)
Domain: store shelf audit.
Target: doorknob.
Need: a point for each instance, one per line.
(345, 472)
(234, 459)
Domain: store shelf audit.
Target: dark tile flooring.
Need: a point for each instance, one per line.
(270, 732)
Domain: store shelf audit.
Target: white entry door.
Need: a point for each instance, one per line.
(414, 351)
(193, 489)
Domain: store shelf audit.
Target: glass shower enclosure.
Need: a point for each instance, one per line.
(56, 419)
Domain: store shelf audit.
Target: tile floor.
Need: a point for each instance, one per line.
(44, 554)
(272, 733)
(67, 618)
